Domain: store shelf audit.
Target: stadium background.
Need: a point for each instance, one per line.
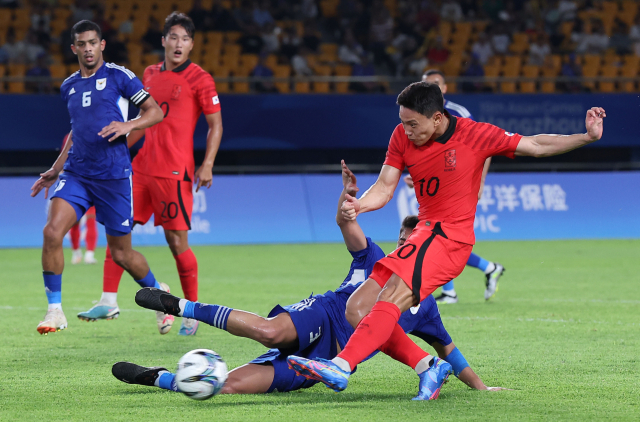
(305, 83)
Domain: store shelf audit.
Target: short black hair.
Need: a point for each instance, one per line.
(177, 18)
(409, 222)
(85, 26)
(434, 72)
(422, 97)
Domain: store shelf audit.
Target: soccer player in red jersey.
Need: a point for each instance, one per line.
(91, 235)
(164, 169)
(445, 156)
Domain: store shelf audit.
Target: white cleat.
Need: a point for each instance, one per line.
(54, 320)
(76, 256)
(492, 281)
(447, 299)
(165, 321)
(90, 258)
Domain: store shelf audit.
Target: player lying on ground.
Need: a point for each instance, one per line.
(492, 270)
(445, 156)
(313, 327)
(97, 165)
(164, 169)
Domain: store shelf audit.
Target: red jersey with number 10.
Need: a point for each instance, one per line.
(446, 171)
(183, 94)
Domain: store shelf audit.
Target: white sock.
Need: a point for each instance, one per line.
(110, 298)
(157, 381)
(182, 304)
(424, 364)
(490, 268)
(451, 292)
(342, 364)
(89, 255)
(54, 306)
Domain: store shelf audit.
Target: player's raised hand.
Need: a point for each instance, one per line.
(45, 181)
(204, 177)
(116, 129)
(350, 207)
(349, 180)
(593, 122)
(409, 181)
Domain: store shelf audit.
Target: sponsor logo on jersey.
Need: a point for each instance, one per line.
(215, 100)
(73, 91)
(101, 84)
(509, 133)
(450, 159)
(175, 94)
(415, 309)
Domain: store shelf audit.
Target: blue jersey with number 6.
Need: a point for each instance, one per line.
(93, 103)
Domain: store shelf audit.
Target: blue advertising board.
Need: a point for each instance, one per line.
(260, 122)
(302, 208)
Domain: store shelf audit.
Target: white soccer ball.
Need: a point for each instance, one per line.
(201, 374)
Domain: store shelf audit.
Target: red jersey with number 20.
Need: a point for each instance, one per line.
(183, 94)
(446, 171)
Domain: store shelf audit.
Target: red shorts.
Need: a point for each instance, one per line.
(426, 261)
(170, 201)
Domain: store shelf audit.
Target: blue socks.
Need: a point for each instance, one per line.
(214, 315)
(167, 381)
(457, 361)
(477, 262)
(448, 287)
(149, 281)
(53, 286)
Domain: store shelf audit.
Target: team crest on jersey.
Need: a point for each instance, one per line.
(177, 89)
(101, 84)
(450, 159)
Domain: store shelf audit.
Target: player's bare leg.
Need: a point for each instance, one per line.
(60, 219)
(251, 378)
(274, 333)
(187, 265)
(361, 301)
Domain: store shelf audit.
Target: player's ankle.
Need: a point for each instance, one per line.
(342, 364)
(424, 364)
(490, 268)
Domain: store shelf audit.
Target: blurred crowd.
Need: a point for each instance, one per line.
(398, 38)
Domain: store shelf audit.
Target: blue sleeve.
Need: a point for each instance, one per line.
(471, 116)
(131, 87)
(372, 251)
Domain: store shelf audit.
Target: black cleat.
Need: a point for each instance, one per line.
(135, 374)
(158, 300)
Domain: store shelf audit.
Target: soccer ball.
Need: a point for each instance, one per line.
(201, 374)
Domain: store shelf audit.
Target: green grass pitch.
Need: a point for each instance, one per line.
(563, 332)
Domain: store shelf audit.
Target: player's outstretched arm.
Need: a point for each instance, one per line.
(352, 233)
(376, 197)
(204, 175)
(151, 114)
(548, 145)
(48, 178)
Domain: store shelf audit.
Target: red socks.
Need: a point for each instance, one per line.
(402, 348)
(188, 271)
(91, 236)
(373, 331)
(74, 234)
(112, 274)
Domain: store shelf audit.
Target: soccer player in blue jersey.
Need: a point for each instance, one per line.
(96, 163)
(314, 327)
(492, 270)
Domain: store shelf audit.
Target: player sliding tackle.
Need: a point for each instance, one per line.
(313, 327)
(445, 156)
(97, 168)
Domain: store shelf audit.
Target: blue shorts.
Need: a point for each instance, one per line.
(112, 199)
(425, 323)
(318, 336)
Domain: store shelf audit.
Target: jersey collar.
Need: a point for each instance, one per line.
(180, 68)
(442, 139)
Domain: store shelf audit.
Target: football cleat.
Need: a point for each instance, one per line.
(76, 256)
(158, 300)
(492, 281)
(188, 327)
(445, 298)
(90, 258)
(54, 320)
(100, 311)
(135, 374)
(432, 379)
(321, 370)
(164, 320)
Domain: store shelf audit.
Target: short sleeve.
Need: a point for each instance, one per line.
(369, 255)
(131, 87)
(492, 140)
(207, 95)
(394, 156)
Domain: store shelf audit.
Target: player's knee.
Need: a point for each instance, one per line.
(271, 335)
(232, 386)
(354, 315)
(177, 244)
(119, 256)
(51, 235)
